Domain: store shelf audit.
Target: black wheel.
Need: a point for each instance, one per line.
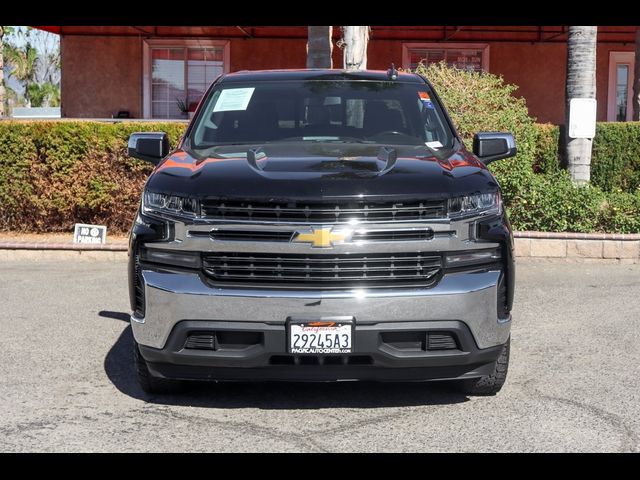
(488, 384)
(148, 382)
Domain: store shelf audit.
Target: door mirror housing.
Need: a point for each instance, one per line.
(149, 146)
(492, 146)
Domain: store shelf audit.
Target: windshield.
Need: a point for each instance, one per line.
(362, 111)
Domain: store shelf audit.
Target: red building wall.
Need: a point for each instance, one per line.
(103, 74)
(100, 76)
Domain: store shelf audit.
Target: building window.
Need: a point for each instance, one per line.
(620, 92)
(465, 56)
(177, 73)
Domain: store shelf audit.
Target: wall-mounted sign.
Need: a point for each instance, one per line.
(582, 118)
(84, 233)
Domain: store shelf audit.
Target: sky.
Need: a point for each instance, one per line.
(51, 41)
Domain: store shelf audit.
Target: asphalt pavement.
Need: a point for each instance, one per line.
(67, 381)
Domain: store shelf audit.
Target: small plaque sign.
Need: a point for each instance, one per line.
(582, 118)
(84, 233)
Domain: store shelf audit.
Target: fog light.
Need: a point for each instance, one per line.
(473, 257)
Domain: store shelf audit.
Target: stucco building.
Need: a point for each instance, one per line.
(161, 72)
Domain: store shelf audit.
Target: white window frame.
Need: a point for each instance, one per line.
(148, 44)
(406, 57)
(616, 58)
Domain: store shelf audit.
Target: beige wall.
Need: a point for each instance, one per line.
(100, 76)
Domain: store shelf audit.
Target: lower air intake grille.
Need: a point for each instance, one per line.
(323, 271)
(441, 341)
(204, 341)
(223, 340)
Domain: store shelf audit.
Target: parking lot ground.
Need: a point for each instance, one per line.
(67, 381)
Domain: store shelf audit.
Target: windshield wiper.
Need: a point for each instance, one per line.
(206, 146)
(319, 139)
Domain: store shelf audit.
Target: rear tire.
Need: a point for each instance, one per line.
(488, 384)
(148, 382)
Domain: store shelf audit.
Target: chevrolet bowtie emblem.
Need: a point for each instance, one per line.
(321, 237)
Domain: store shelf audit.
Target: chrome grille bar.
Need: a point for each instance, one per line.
(326, 271)
(322, 212)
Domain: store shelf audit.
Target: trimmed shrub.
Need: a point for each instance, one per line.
(546, 159)
(54, 174)
(552, 203)
(615, 159)
(480, 101)
(537, 191)
(615, 162)
(620, 213)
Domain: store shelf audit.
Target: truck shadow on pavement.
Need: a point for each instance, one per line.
(118, 365)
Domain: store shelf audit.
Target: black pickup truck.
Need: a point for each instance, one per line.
(321, 225)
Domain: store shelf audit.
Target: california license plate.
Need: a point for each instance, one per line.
(320, 337)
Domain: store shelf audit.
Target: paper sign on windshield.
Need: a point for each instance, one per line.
(233, 99)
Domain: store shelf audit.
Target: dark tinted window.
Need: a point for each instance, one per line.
(317, 110)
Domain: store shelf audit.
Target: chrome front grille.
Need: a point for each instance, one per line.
(323, 271)
(328, 213)
(235, 234)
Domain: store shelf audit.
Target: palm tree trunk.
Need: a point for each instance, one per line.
(355, 40)
(636, 79)
(2, 90)
(319, 47)
(581, 83)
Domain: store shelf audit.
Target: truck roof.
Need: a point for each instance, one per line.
(317, 74)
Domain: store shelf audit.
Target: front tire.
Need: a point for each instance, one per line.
(148, 382)
(488, 384)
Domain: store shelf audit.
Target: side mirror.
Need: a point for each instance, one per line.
(492, 146)
(149, 146)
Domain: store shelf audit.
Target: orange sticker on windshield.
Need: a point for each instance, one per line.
(424, 96)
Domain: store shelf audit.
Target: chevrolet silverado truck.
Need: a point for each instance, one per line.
(321, 225)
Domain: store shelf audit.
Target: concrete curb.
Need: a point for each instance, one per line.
(585, 247)
(115, 247)
(623, 237)
(51, 251)
(557, 246)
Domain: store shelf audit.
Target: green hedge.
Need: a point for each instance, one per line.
(536, 189)
(615, 160)
(550, 202)
(54, 174)
(546, 200)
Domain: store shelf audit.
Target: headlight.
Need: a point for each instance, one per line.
(171, 204)
(474, 204)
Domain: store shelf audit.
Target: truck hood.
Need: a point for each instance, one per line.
(314, 170)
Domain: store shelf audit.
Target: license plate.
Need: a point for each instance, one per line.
(320, 337)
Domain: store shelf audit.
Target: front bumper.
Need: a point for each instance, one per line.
(376, 356)
(472, 305)
(172, 297)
